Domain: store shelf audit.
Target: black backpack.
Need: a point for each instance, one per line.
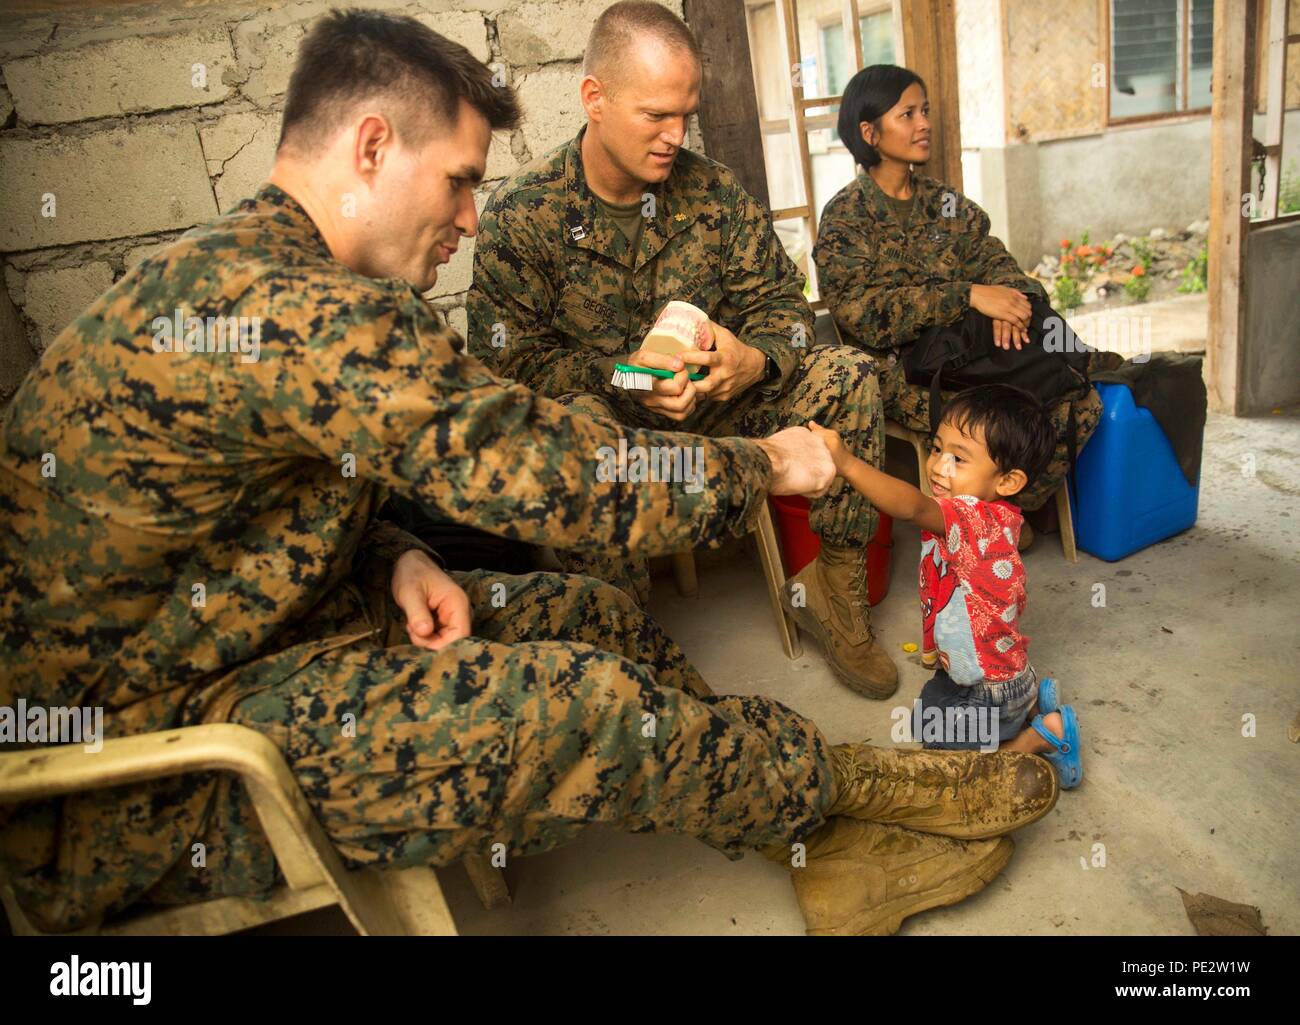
(1052, 367)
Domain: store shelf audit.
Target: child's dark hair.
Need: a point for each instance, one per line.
(1017, 430)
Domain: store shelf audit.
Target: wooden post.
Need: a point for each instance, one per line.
(1232, 85)
(728, 104)
(930, 49)
(1275, 106)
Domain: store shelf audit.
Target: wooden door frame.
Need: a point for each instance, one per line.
(1231, 149)
(930, 49)
(729, 103)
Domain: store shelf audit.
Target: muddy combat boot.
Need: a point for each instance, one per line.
(863, 878)
(832, 606)
(964, 794)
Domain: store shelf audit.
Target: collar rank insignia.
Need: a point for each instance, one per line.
(577, 233)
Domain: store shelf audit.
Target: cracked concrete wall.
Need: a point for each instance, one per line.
(121, 129)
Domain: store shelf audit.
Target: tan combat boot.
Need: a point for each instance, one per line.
(965, 794)
(863, 878)
(832, 606)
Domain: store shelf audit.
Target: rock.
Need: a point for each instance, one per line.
(1198, 228)
(1119, 239)
(1157, 233)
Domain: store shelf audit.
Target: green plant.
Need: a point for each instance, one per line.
(1288, 192)
(1194, 273)
(1077, 267)
(1138, 286)
(1146, 256)
(1066, 292)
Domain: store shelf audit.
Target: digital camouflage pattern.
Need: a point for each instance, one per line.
(128, 476)
(885, 283)
(557, 284)
(833, 385)
(567, 707)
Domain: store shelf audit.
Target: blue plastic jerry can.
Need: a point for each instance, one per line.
(1129, 491)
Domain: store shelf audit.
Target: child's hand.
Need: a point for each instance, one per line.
(840, 454)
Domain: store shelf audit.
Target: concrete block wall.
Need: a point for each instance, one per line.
(120, 129)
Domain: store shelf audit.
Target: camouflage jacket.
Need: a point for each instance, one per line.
(134, 481)
(557, 285)
(885, 282)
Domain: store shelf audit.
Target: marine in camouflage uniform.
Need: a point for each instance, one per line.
(559, 292)
(885, 282)
(129, 475)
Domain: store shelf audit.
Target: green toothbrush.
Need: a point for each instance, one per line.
(633, 378)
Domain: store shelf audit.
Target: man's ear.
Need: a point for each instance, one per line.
(374, 135)
(1012, 482)
(592, 93)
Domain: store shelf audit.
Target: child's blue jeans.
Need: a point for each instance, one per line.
(982, 715)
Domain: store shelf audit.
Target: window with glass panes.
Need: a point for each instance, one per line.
(803, 53)
(877, 30)
(1160, 54)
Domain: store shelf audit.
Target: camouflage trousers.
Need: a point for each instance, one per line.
(834, 385)
(909, 405)
(568, 706)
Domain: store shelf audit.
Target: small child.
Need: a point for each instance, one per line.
(991, 443)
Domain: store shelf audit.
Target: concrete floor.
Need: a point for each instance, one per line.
(1197, 632)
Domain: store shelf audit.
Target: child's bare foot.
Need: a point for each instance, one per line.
(1031, 741)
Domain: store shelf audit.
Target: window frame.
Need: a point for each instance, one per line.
(798, 124)
(865, 9)
(1183, 71)
(1278, 38)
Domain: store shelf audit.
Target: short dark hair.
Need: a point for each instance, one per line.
(870, 94)
(351, 55)
(1017, 430)
(623, 24)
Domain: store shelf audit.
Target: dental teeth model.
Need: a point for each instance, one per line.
(680, 325)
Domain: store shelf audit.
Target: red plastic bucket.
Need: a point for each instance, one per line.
(799, 545)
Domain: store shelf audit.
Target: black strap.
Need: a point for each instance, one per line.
(1072, 437)
(1072, 429)
(934, 400)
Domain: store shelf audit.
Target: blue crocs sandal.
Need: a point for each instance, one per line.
(1048, 701)
(1067, 758)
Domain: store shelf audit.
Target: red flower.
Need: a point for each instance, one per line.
(1139, 271)
(1065, 243)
